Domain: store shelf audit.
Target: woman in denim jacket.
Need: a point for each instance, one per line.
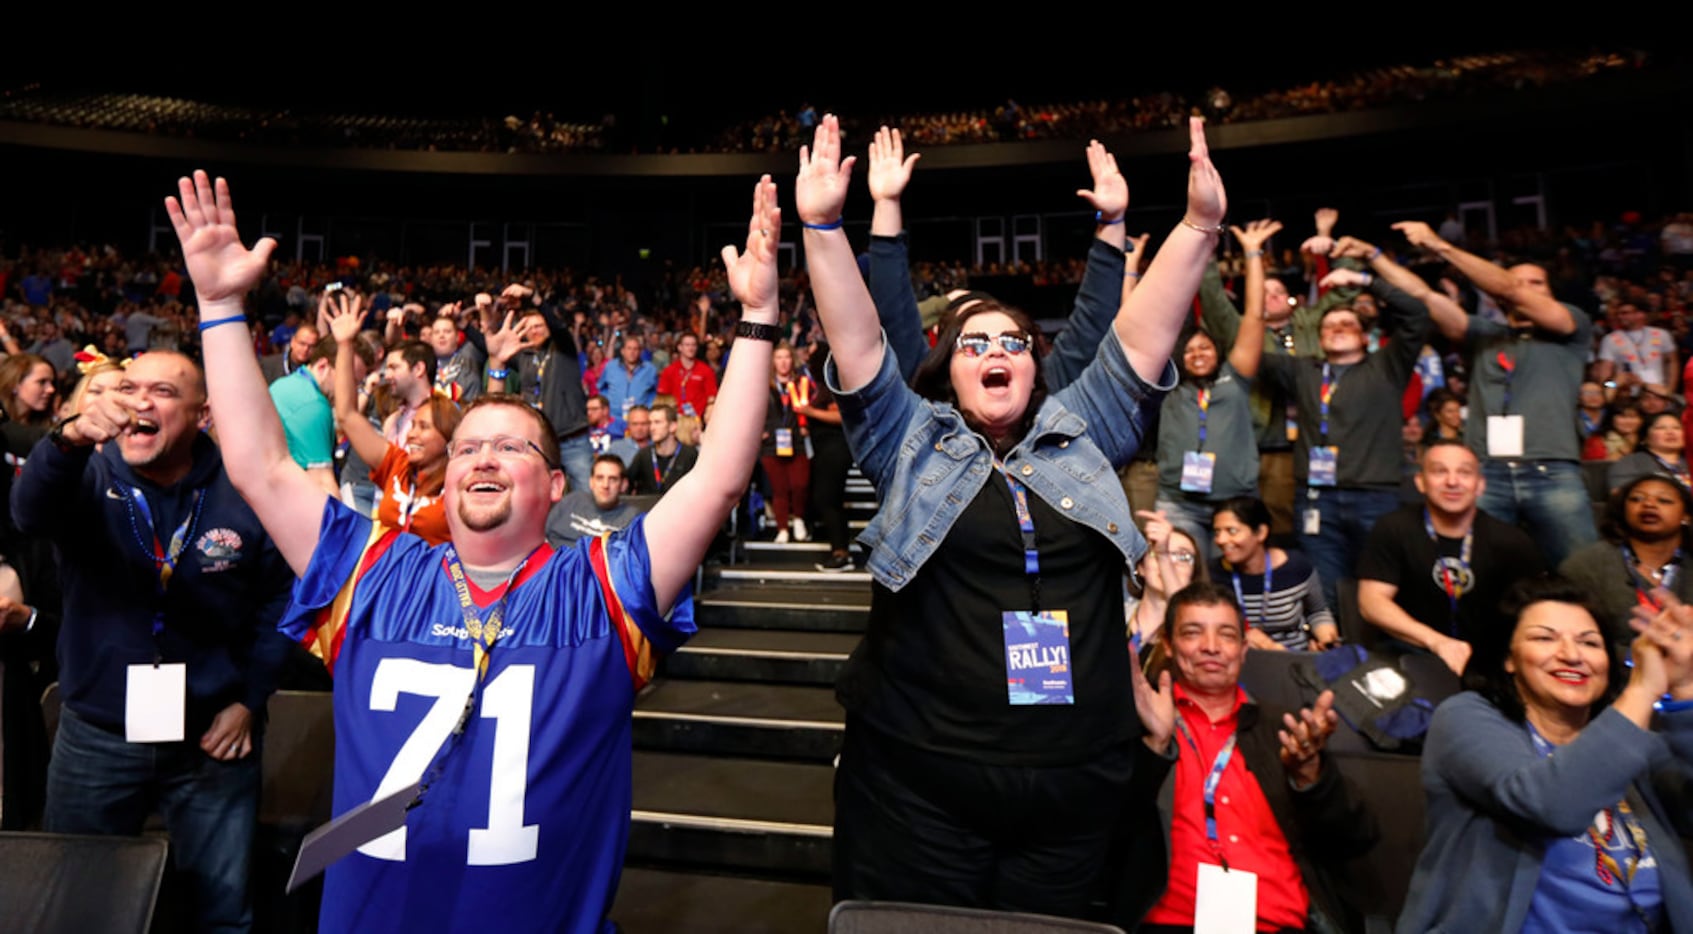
(991, 720)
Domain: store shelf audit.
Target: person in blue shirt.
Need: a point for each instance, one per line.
(500, 673)
(628, 381)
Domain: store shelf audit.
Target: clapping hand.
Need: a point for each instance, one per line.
(1156, 707)
(1305, 736)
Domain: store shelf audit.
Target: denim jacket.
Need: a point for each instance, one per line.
(927, 465)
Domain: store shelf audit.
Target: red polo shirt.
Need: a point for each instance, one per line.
(1247, 833)
(693, 387)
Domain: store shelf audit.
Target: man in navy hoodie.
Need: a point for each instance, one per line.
(169, 647)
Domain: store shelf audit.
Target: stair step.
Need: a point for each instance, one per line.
(763, 655)
(739, 719)
(835, 606)
(862, 505)
(804, 555)
(791, 574)
(660, 901)
(745, 814)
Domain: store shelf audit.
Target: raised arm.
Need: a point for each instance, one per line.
(890, 262)
(849, 316)
(1248, 347)
(344, 323)
(1535, 304)
(683, 522)
(1101, 292)
(255, 452)
(1149, 321)
(1449, 317)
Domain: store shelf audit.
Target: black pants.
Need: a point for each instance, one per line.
(830, 461)
(917, 826)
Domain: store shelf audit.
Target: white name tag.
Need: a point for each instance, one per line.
(1226, 901)
(1504, 436)
(155, 702)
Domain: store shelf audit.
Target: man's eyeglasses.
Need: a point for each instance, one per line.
(506, 447)
(976, 344)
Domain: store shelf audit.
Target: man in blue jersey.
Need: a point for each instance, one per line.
(498, 672)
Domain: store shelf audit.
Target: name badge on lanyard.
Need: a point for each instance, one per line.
(1322, 469)
(784, 442)
(1324, 465)
(1198, 470)
(155, 703)
(1037, 658)
(1505, 432)
(1225, 901)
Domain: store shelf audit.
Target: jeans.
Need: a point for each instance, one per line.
(1548, 497)
(98, 783)
(576, 456)
(1347, 517)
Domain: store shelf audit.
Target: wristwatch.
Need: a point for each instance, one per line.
(758, 332)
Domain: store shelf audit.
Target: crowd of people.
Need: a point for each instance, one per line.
(783, 131)
(230, 472)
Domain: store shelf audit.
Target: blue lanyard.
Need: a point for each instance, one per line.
(1204, 408)
(1643, 590)
(1508, 365)
(1212, 780)
(1026, 524)
(1264, 600)
(1446, 582)
(1330, 384)
(164, 558)
(1614, 823)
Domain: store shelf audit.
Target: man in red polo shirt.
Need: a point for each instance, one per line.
(689, 380)
(1254, 808)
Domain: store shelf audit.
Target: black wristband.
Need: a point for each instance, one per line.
(56, 435)
(758, 332)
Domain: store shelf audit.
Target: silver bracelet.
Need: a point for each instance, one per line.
(1201, 227)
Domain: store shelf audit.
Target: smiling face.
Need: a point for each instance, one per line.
(1558, 660)
(98, 385)
(1199, 357)
(993, 390)
(170, 409)
(1184, 554)
(1341, 334)
(1208, 646)
(1627, 421)
(1450, 480)
(1238, 542)
(782, 361)
(485, 489)
(631, 352)
(1653, 511)
(443, 337)
(425, 446)
(1663, 436)
(404, 379)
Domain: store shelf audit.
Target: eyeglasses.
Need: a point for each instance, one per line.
(1183, 557)
(976, 344)
(506, 447)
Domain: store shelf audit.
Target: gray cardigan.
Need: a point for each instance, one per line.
(1493, 801)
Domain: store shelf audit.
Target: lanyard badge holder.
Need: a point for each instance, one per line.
(156, 695)
(1225, 900)
(1505, 432)
(1323, 468)
(1199, 466)
(1038, 666)
(1454, 585)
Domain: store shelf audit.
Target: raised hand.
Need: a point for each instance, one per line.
(503, 343)
(1305, 736)
(1344, 278)
(347, 316)
(1325, 219)
(1352, 247)
(1206, 200)
(1110, 192)
(1158, 529)
(752, 274)
(1138, 262)
(204, 219)
(1671, 631)
(1256, 234)
(1156, 707)
(890, 167)
(820, 190)
(1420, 234)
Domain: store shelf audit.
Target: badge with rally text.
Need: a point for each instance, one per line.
(784, 442)
(1324, 459)
(1037, 658)
(1198, 467)
(155, 703)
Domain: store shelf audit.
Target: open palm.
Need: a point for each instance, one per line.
(220, 266)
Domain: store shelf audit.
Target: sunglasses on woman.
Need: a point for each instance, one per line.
(976, 344)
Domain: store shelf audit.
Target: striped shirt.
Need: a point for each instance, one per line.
(1295, 605)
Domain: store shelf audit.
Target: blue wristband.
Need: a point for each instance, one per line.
(1376, 255)
(1674, 706)
(1099, 218)
(832, 225)
(208, 325)
(496, 374)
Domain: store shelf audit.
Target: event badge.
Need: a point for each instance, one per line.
(1225, 901)
(1037, 658)
(688, 409)
(369, 821)
(1504, 436)
(784, 442)
(1197, 469)
(1323, 459)
(155, 703)
(1313, 522)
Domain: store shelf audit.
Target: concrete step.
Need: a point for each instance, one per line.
(732, 813)
(803, 555)
(790, 574)
(664, 901)
(765, 655)
(739, 719)
(832, 606)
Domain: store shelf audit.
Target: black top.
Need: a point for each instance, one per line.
(1399, 552)
(931, 670)
(652, 473)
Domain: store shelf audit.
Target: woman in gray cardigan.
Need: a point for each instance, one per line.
(1554, 799)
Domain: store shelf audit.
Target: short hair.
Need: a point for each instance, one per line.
(1439, 397)
(1486, 675)
(413, 352)
(1445, 443)
(608, 459)
(1248, 509)
(1199, 593)
(637, 407)
(668, 411)
(601, 399)
(1614, 525)
(549, 437)
(326, 348)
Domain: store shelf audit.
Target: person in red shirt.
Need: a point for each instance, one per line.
(688, 379)
(1250, 793)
